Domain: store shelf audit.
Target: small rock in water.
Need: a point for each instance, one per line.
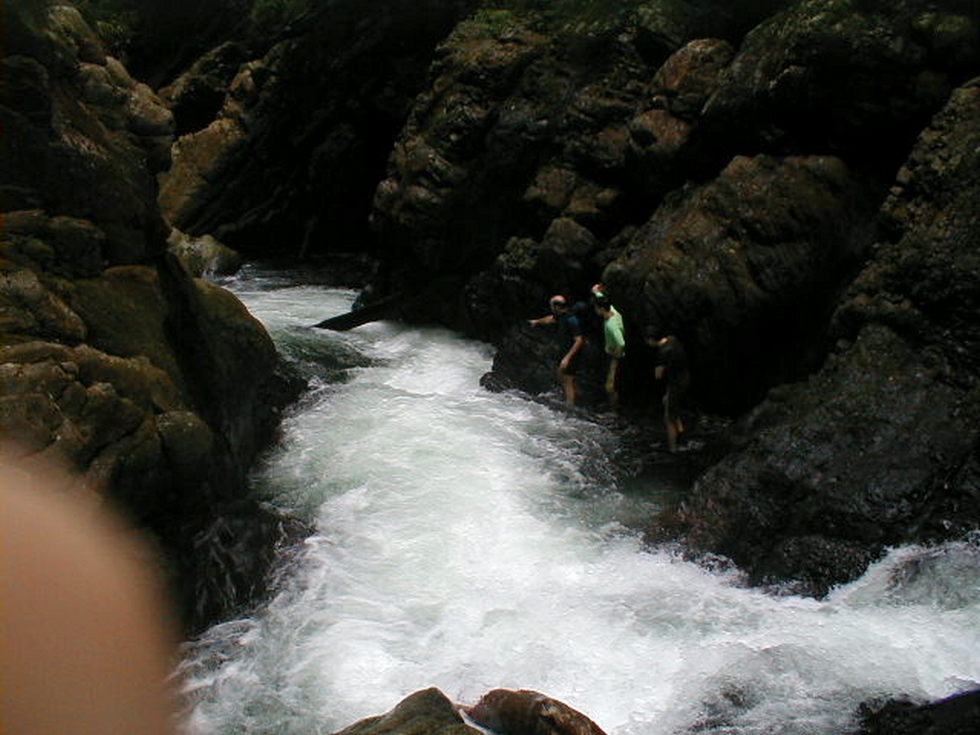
(526, 712)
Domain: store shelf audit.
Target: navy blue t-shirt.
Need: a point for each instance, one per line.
(570, 325)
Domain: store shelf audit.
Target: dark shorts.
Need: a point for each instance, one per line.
(674, 399)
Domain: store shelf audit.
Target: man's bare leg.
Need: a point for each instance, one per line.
(568, 384)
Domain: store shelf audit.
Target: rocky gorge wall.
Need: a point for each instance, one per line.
(157, 390)
(790, 187)
(785, 188)
(772, 181)
(283, 142)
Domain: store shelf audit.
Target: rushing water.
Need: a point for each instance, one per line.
(468, 540)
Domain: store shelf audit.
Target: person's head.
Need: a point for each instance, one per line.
(651, 335)
(558, 304)
(602, 304)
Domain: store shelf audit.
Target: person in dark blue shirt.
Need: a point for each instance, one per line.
(563, 315)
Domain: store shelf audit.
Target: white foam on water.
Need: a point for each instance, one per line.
(459, 544)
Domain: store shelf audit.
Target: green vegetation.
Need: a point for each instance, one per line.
(118, 22)
(496, 23)
(280, 12)
(114, 20)
(580, 17)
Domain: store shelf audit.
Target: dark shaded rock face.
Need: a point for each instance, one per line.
(97, 135)
(959, 715)
(157, 389)
(288, 165)
(857, 78)
(171, 35)
(745, 269)
(881, 446)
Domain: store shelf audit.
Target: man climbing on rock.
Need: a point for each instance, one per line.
(563, 315)
(615, 341)
(671, 367)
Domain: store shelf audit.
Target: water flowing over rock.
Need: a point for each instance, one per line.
(157, 389)
(732, 200)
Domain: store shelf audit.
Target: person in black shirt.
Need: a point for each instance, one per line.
(671, 367)
(563, 315)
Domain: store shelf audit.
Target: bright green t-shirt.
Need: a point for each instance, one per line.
(615, 334)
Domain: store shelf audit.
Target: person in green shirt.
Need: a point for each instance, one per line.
(615, 341)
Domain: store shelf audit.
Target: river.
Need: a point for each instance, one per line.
(469, 540)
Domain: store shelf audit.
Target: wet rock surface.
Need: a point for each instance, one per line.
(880, 446)
(526, 712)
(114, 362)
(503, 711)
(745, 270)
(959, 715)
(427, 711)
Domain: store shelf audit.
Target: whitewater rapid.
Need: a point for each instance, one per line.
(469, 540)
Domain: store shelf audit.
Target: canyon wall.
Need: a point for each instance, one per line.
(155, 389)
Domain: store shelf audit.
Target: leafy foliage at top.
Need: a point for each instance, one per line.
(280, 12)
(587, 17)
(118, 22)
(114, 20)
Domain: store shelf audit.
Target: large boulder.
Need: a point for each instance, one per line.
(723, 188)
(957, 715)
(746, 268)
(203, 256)
(503, 711)
(88, 137)
(518, 164)
(857, 78)
(526, 712)
(426, 711)
(882, 446)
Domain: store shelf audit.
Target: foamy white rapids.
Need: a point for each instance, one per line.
(466, 540)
